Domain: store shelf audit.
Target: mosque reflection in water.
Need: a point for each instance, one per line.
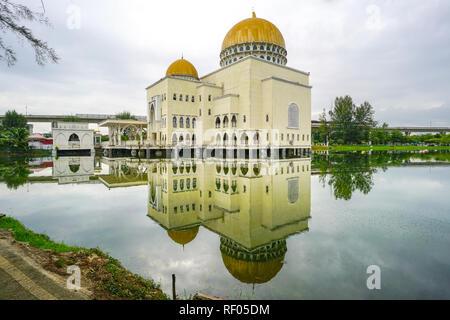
(253, 205)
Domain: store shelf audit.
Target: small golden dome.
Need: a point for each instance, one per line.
(253, 30)
(252, 271)
(183, 236)
(182, 67)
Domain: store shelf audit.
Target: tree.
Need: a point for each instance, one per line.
(379, 135)
(351, 123)
(14, 139)
(14, 120)
(342, 119)
(71, 119)
(364, 121)
(397, 136)
(11, 17)
(125, 115)
(445, 140)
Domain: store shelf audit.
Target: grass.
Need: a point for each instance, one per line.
(378, 148)
(41, 241)
(114, 278)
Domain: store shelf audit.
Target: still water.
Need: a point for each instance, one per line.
(251, 229)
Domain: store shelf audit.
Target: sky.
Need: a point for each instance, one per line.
(395, 54)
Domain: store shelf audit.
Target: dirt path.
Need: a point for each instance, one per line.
(22, 277)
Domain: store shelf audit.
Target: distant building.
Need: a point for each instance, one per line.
(72, 137)
(37, 141)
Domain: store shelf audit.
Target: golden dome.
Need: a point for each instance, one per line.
(182, 67)
(252, 271)
(183, 236)
(253, 30)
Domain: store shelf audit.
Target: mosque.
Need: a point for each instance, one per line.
(253, 103)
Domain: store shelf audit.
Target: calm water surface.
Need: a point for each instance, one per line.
(289, 229)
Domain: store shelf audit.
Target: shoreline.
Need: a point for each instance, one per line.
(334, 148)
(102, 277)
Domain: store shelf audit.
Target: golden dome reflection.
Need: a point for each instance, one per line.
(182, 67)
(253, 30)
(251, 271)
(255, 266)
(183, 236)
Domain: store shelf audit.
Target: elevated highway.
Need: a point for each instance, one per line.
(89, 118)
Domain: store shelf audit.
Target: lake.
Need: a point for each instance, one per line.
(304, 228)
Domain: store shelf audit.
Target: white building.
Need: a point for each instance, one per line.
(72, 136)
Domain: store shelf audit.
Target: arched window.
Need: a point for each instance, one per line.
(74, 137)
(194, 123)
(233, 121)
(174, 139)
(255, 47)
(193, 99)
(174, 122)
(247, 48)
(181, 122)
(187, 98)
(267, 118)
(181, 97)
(209, 97)
(293, 190)
(293, 116)
(193, 140)
(225, 122)
(217, 122)
(174, 96)
(188, 122)
(188, 139)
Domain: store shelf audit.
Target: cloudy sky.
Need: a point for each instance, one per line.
(394, 54)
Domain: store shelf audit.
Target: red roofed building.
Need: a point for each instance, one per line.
(38, 141)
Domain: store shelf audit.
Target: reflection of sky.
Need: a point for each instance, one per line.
(402, 225)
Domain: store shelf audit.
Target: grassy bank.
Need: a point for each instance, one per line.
(105, 276)
(378, 148)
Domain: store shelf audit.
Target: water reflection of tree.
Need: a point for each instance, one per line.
(348, 172)
(14, 173)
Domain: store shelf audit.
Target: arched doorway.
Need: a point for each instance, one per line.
(244, 139)
(225, 139)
